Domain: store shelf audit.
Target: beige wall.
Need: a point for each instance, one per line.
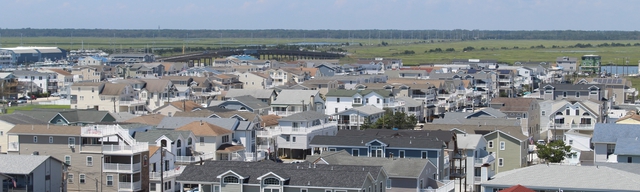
(88, 74)
(251, 81)
(4, 138)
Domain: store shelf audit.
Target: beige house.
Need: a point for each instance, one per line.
(88, 73)
(118, 163)
(8, 121)
(157, 92)
(214, 139)
(525, 109)
(112, 97)
(631, 118)
(255, 80)
(171, 108)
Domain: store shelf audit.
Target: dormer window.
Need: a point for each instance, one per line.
(230, 180)
(271, 181)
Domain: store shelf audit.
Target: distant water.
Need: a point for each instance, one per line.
(620, 69)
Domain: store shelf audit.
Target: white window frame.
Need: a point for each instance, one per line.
(357, 100)
(89, 162)
(490, 144)
(271, 178)
(426, 155)
(69, 177)
(153, 187)
(225, 182)
(501, 162)
(82, 179)
(503, 145)
(50, 139)
(71, 141)
(109, 179)
(65, 159)
(35, 139)
(332, 149)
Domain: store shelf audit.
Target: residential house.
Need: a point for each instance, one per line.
(322, 85)
(568, 178)
(567, 64)
(264, 95)
(33, 173)
(507, 143)
(630, 118)
(329, 70)
(572, 91)
(607, 137)
(202, 89)
(579, 143)
(471, 162)
(162, 168)
(47, 82)
(92, 60)
(113, 97)
(8, 121)
(562, 115)
(64, 80)
(339, 100)
(416, 108)
(156, 92)
(222, 113)
(243, 103)
(273, 177)
(620, 90)
(291, 102)
(181, 145)
(68, 116)
(93, 73)
(171, 108)
(213, 139)
(255, 80)
(506, 86)
(355, 117)
(124, 58)
(405, 174)
(525, 109)
(106, 153)
(294, 132)
(387, 145)
(227, 81)
(182, 84)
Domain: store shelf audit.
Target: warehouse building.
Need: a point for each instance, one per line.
(28, 55)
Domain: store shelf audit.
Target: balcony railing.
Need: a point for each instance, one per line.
(194, 159)
(251, 156)
(130, 186)
(121, 167)
(448, 186)
(166, 174)
(283, 113)
(126, 149)
(99, 131)
(132, 102)
(393, 104)
(295, 130)
(574, 126)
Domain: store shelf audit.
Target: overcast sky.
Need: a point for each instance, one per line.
(324, 14)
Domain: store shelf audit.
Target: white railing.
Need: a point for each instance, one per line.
(295, 130)
(193, 159)
(447, 187)
(574, 126)
(13, 146)
(393, 104)
(121, 167)
(251, 156)
(126, 149)
(99, 130)
(132, 102)
(283, 113)
(265, 147)
(133, 186)
(485, 160)
(167, 174)
(140, 112)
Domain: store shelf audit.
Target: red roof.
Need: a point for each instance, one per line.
(517, 188)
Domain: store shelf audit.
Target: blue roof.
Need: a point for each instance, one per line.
(245, 57)
(627, 146)
(610, 133)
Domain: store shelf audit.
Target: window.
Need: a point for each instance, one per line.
(271, 190)
(367, 100)
(152, 187)
(577, 94)
(271, 181)
(401, 154)
(502, 145)
(586, 121)
(294, 139)
(377, 100)
(50, 139)
(629, 160)
(490, 144)
(593, 92)
(230, 179)
(571, 142)
(295, 125)
(357, 100)
(424, 155)
(388, 183)
(338, 99)
(82, 178)
(355, 152)
(189, 141)
(577, 112)
(336, 110)
(70, 178)
(542, 113)
(216, 188)
(611, 148)
(67, 159)
(500, 162)
(72, 141)
(564, 94)
(201, 141)
(109, 180)
(225, 139)
(35, 139)
(145, 160)
(376, 152)
(89, 161)
(304, 190)
(332, 149)
(567, 111)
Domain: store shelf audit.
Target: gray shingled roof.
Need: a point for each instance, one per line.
(610, 133)
(257, 93)
(335, 176)
(391, 141)
(251, 102)
(17, 118)
(20, 164)
(409, 102)
(175, 122)
(442, 135)
(365, 110)
(350, 93)
(296, 97)
(399, 167)
(152, 135)
(304, 116)
(627, 146)
(572, 178)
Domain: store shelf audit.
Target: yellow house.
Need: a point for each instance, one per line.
(631, 118)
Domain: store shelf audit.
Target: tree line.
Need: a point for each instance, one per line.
(458, 34)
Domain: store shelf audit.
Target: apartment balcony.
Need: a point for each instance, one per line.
(121, 167)
(125, 149)
(155, 176)
(99, 131)
(295, 130)
(195, 158)
(251, 156)
(265, 147)
(129, 186)
(132, 102)
(448, 185)
(393, 104)
(351, 122)
(283, 113)
(478, 162)
(573, 126)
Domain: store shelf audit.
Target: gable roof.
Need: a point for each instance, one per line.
(151, 119)
(176, 122)
(204, 129)
(21, 164)
(256, 93)
(17, 118)
(250, 101)
(289, 96)
(390, 141)
(334, 176)
(399, 167)
(517, 188)
(513, 104)
(269, 120)
(468, 141)
(610, 133)
(152, 135)
(26, 129)
(113, 89)
(156, 85)
(350, 93)
(186, 105)
(627, 146)
(364, 110)
(513, 131)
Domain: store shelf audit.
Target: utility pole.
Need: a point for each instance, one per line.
(162, 167)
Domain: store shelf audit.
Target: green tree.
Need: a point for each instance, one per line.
(398, 120)
(554, 152)
(367, 124)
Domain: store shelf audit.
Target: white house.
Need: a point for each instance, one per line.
(339, 100)
(579, 142)
(162, 168)
(355, 117)
(291, 101)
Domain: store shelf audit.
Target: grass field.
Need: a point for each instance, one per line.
(10, 110)
(371, 48)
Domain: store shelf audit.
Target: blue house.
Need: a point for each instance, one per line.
(389, 144)
(328, 70)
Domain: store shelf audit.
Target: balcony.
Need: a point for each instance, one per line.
(129, 186)
(99, 131)
(194, 159)
(121, 167)
(295, 130)
(351, 122)
(126, 149)
(155, 176)
(132, 102)
(448, 185)
(283, 113)
(574, 126)
(393, 104)
(478, 162)
(251, 156)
